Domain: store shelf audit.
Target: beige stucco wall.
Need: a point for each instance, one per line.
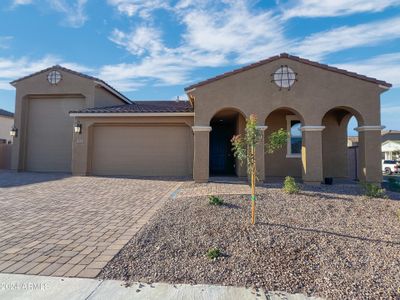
(82, 157)
(276, 164)
(37, 86)
(334, 146)
(316, 92)
(5, 126)
(49, 133)
(103, 97)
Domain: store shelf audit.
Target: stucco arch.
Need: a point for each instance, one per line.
(226, 109)
(289, 109)
(335, 151)
(344, 114)
(225, 123)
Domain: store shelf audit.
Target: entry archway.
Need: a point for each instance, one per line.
(341, 155)
(225, 124)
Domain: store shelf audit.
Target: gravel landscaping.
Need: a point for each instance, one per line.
(327, 241)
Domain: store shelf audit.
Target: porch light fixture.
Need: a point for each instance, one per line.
(78, 128)
(284, 77)
(14, 131)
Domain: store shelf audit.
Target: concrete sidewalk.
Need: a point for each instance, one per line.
(33, 287)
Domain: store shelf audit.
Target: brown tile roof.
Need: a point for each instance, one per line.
(58, 67)
(159, 106)
(294, 58)
(6, 113)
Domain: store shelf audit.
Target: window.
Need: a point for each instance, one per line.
(295, 137)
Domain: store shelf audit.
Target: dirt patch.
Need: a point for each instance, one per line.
(326, 241)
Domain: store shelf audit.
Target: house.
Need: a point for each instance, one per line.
(71, 122)
(391, 144)
(6, 123)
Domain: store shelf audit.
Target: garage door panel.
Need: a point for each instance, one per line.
(141, 150)
(49, 134)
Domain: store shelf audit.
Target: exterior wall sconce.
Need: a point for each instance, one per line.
(78, 128)
(14, 131)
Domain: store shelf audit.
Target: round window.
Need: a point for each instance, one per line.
(284, 77)
(54, 77)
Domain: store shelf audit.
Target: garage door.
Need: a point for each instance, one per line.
(49, 134)
(141, 150)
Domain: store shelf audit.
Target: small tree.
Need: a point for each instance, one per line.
(244, 149)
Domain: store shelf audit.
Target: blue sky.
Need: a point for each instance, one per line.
(152, 49)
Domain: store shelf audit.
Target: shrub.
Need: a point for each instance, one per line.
(373, 190)
(290, 186)
(214, 200)
(213, 253)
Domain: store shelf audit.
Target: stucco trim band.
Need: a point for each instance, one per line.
(263, 128)
(201, 128)
(369, 128)
(312, 128)
(177, 114)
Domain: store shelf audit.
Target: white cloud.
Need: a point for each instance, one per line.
(143, 8)
(222, 33)
(317, 45)
(21, 2)
(235, 30)
(11, 68)
(395, 110)
(384, 67)
(142, 40)
(213, 36)
(331, 8)
(75, 15)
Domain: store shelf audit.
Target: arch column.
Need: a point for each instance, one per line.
(201, 153)
(370, 139)
(311, 154)
(260, 155)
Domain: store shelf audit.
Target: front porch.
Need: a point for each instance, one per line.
(313, 152)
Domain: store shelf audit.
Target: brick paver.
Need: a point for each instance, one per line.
(53, 224)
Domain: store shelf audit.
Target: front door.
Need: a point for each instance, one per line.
(222, 161)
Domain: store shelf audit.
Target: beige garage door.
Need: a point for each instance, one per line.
(141, 150)
(49, 134)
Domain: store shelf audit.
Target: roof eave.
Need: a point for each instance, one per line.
(380, 83)
(132, 114)
(114, 92)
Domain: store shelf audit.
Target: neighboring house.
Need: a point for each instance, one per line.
(390, 144)
(352, 141)
(6, 123)
(114, 136)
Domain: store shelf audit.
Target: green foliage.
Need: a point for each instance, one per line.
(213, 253)
(290, 186)
(276, 140)
(243, 146)
(213, 200)
(373, 190)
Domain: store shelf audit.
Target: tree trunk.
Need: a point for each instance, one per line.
(253, 186)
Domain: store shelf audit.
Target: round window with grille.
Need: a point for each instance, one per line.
(284, 77)
(54, 77)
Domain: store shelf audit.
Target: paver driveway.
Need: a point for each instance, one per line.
(52, 224)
